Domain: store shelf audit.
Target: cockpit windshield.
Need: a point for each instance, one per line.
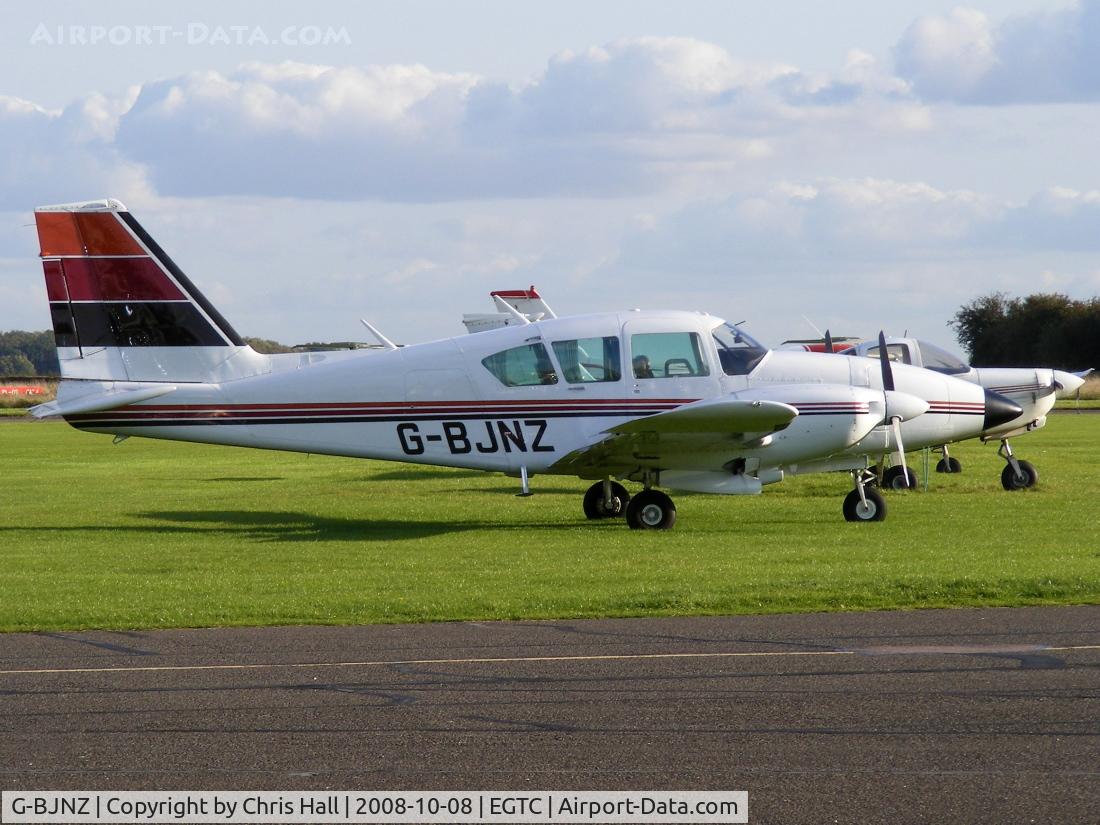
(738, 352)
(940, 360)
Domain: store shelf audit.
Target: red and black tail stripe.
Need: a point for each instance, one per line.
(111, 285)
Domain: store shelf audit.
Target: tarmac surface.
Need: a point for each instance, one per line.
(928, 716)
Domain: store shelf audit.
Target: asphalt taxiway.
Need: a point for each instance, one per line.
(926, 716)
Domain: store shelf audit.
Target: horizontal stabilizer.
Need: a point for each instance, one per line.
(723, 415)
(100, 401)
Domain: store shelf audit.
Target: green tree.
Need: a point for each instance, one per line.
(38, 347)
(14, 363)
(1041, 330)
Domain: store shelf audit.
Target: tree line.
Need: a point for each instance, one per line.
(27, 354)
(1041, 330)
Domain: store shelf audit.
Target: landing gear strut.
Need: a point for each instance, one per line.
(1017, 474)
(605, 499)
(864, 503)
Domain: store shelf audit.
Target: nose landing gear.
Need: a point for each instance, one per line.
(864, 503)
(1017, 474)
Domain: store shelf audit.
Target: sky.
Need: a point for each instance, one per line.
(854, 166)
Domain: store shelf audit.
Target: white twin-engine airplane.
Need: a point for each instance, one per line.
(1034, 389)
(674, 399)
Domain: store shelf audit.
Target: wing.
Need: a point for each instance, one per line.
(721, 415)
(702, 427)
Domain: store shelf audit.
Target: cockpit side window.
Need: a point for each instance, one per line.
(668, 355)
(738, 353)
(589, 360)
(525, 366)
(940, 360)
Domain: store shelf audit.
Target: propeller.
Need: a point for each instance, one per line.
(891, 415)
(828, 342)
(884, 362)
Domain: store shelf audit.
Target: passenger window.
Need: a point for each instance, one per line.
(524, 366)
(667, 355)
(589, 360)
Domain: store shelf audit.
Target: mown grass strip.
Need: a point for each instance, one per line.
(161, 534)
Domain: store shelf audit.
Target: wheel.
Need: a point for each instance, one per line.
(596, 507)
(650, 510)
(949, 465)
(1027, 477)
(895, 478)
(856, 510)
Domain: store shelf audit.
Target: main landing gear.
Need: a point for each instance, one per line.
(899, 477)
(606, 499)
(864, 503)
(648, 510)
(948, 464)
(1017, 474)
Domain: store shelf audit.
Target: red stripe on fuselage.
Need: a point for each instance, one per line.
(473, 406)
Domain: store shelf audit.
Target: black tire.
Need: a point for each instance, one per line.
(949, 465)
(899, 478)
(650, 510)
(854, 510)
(596, 508)
(1027, 478)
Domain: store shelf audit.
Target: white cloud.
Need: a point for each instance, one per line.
(1046, 56)
(49, 156)
(639, 115)
(947, 56)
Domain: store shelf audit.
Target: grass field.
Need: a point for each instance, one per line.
(160, 534)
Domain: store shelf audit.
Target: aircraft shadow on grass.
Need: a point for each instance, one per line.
(269, 526)
(266, 525)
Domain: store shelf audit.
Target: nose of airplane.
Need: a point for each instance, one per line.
(1000, 410)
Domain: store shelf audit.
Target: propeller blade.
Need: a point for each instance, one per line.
(884, 361)
(896, 423)
(828, 342)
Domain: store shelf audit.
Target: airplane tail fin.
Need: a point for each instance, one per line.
(122, 310)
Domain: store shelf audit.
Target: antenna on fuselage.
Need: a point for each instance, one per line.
(382, 339)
